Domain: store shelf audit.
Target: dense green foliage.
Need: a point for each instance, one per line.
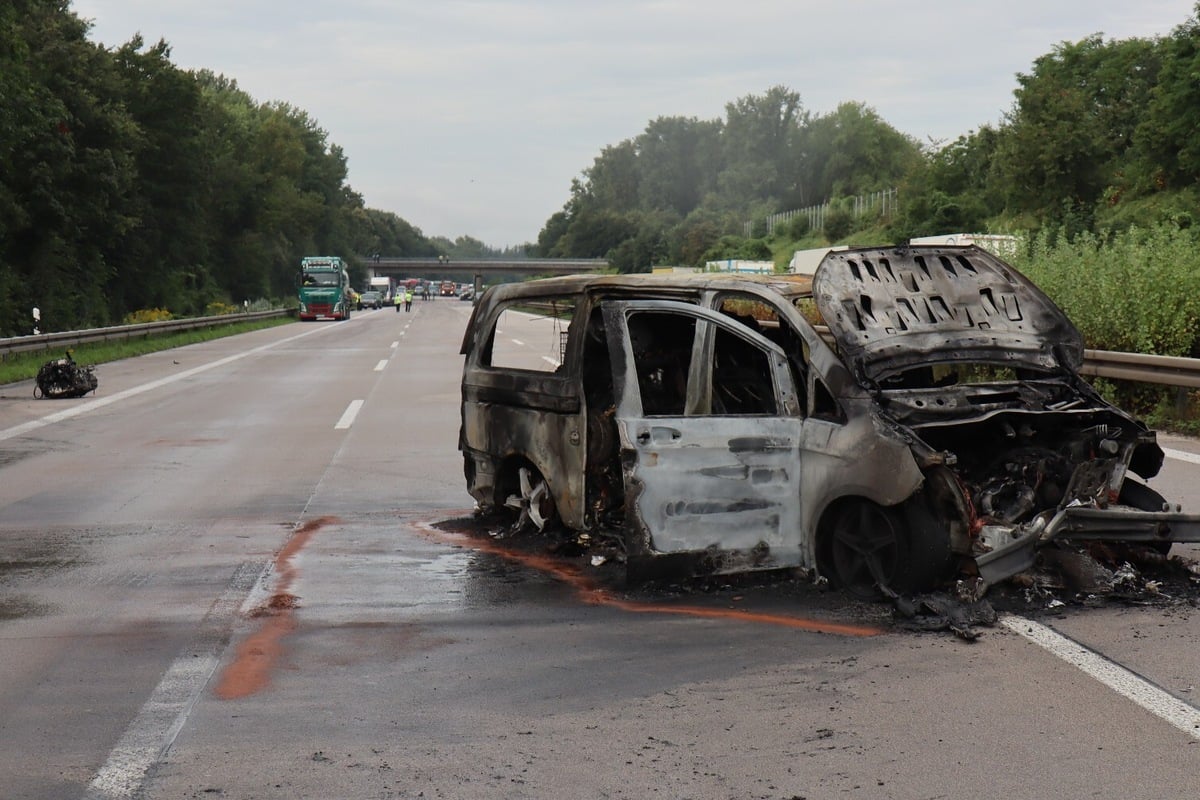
(1100, 139)
(130, 184)
(680, 192)
(1138, 291)
(1096, 167)
(1135, 291)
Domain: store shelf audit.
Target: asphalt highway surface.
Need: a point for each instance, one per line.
(249, 569)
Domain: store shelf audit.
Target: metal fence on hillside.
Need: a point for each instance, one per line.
(881, 204)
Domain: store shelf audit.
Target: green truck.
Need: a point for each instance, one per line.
(325, 291)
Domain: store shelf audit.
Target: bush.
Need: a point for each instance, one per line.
(147, 315)
(217, 308)
(1139, 293)
(737, 247)
(798, 226)
(839, 222)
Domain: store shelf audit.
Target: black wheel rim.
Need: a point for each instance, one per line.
(865, 549)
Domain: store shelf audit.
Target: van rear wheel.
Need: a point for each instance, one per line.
(532, 501)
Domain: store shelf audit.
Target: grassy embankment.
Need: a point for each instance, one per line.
(24, 366)
(1133, 291)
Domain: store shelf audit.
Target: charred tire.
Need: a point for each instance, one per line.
(930, 560)
(1143, 498)
(865, 546)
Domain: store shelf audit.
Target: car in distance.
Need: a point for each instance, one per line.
(370, 299)
(906, 415)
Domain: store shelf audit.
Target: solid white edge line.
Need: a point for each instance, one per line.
(153, 729)
(380, 366)
(101, 402)
(1181, 455)
(158, 723)
(348, 415)
(1128, 684)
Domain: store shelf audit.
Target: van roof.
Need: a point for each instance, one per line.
(788, 286)
(783, 283)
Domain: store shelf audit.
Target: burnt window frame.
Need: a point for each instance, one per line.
(486, 352)
(799, 360)
(698, 403)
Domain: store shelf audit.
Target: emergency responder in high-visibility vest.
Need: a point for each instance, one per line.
(408, 295)
(398, 298)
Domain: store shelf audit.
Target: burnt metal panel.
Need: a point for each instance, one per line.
(891, 309)
(706, 481)
(507, 434)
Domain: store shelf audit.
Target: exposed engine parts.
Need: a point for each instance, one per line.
(62, 377)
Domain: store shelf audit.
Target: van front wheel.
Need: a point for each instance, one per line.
(865, 548)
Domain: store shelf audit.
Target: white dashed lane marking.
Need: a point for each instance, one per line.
(348, 416)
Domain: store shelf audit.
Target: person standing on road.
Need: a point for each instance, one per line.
(397, 299)
(408, 300)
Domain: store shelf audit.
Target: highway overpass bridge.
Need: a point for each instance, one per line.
(478, 269)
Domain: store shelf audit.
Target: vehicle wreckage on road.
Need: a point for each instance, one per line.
(906, 414)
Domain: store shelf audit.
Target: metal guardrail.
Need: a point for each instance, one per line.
(1163, 370)
(52, 341)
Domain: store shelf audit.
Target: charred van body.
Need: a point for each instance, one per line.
(908, 413)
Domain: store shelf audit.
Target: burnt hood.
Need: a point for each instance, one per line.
(894, 308)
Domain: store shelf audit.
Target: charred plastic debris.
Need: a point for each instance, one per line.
(910, 422)
(62, 377)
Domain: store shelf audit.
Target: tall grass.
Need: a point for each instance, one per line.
(1136, 292)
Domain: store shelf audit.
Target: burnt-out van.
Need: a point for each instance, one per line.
(906, 413)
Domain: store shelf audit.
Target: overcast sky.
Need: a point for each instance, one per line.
(472, 118)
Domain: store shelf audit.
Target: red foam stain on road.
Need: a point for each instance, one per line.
(592, 594)
(250, 671)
